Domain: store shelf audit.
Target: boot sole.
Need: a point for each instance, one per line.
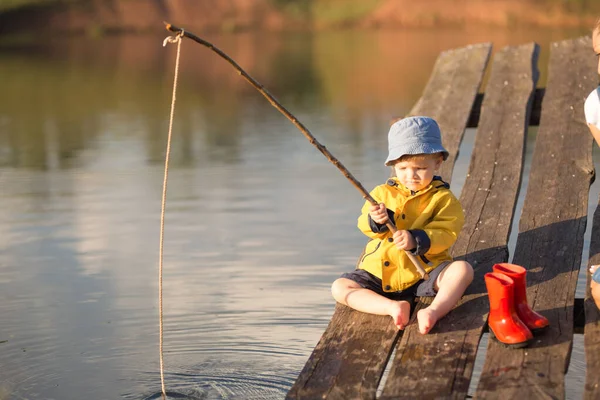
(510, 345)
(537, 331)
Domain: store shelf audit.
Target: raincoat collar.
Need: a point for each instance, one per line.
(436, 183)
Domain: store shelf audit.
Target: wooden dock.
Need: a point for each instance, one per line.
(349, 360)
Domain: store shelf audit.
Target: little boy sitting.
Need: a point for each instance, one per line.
(428, 217)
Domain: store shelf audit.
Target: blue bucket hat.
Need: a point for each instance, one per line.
(414, 135)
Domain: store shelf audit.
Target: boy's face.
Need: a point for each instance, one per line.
(596, 45)
(417, 173)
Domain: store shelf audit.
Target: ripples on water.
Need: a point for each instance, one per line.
(258, 223)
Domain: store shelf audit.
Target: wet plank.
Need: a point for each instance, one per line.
(551, 230)
(592, 320)
(348, 362)
(488, 197)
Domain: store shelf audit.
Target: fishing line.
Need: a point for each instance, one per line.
(170, 39)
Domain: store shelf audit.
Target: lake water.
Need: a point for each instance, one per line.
(258, 222)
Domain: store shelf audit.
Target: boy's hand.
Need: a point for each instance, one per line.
(379, 214)
(404, 240)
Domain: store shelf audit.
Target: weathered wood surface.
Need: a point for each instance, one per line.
(551, 230)
(450, 94)
(592, 320)
(445, 356)
(349, 359)
(351, 355)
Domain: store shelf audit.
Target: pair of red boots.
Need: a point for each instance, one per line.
(511, 320)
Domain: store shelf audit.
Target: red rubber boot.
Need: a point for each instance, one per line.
(503, 321)
(534, 321)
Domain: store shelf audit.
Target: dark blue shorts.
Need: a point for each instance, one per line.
(420, 289)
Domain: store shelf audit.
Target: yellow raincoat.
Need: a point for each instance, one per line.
(434, 217)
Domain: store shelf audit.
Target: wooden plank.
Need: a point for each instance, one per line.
(592, 320)
(447, 354)
(349, 359)
(551, 232)
(450, 94)
(351, 355)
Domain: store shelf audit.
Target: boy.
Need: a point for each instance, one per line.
(592, 116)
(428, 217)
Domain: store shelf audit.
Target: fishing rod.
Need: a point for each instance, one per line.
(366, 195)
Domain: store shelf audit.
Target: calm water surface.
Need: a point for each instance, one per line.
(258, 222)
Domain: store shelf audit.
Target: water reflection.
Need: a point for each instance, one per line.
(61, 96)
(258, 222)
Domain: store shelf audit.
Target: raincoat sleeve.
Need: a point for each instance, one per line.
(369, 227)
(445, 225)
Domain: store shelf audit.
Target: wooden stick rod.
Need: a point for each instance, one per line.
(366, 195)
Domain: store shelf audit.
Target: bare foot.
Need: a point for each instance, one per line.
(400, 313)
(427, 319)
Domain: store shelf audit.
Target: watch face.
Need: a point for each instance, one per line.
(592, 108)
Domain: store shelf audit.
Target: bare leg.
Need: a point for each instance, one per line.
(595, 287)
(350, 293)
(450, 286)
(596, 293)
